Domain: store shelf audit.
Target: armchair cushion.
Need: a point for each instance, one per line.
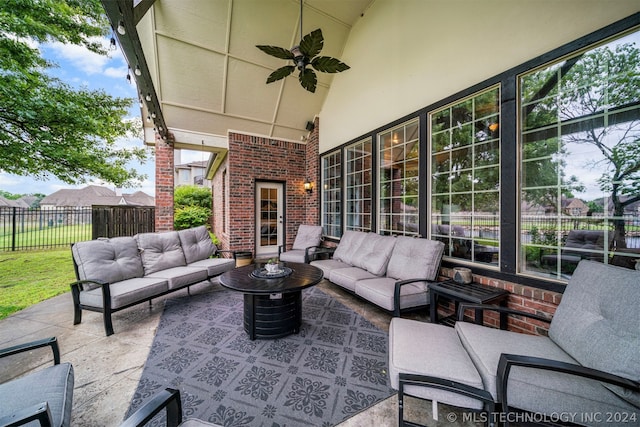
(196, 244)
(110, 260)
(594, 328)
(308, 235)
(160, 251)
(415, 258)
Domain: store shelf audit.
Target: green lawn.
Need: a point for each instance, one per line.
(29, 277)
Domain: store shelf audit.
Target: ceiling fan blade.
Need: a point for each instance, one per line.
(278, 52)
(308, 79)
(327, 64)
(312, 43)
(280, 73)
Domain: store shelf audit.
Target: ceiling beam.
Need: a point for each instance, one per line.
(121, 12)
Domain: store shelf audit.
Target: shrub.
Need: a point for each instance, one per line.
(190, 216)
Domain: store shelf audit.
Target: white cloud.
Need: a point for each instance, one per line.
(83, 59)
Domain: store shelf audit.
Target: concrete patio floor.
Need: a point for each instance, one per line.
(107, 369)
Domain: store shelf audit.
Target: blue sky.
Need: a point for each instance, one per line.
(79, 67)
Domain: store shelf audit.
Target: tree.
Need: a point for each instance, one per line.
(48, 127)
(607, 79)
(192, 206)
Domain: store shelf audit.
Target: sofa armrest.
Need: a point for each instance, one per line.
(169, 399)
(507, 361)
(20, 348)
(39, 413)
(506, 310)
(233, 253)
(396, 293)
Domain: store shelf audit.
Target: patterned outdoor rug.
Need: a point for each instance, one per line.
(334, 368)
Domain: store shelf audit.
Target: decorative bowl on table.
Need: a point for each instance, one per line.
(272, 268)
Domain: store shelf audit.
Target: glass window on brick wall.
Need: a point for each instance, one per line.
(465, 187)
(580, 160)
(358, 186)
(332, 194)
(399, 180)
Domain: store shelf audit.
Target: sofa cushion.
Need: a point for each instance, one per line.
(53, 385)
(347, 277)
(348, 246)
(380, 291)
(594, 327)
(415, 258)
(373, 253)
(126, 292)
(160, 251)
(484, 345)
(327, 265)
(110, 260)
(293, 255)
(178, 277)
(196, 244)
(307, 236)
(432, 350)
(215, 266)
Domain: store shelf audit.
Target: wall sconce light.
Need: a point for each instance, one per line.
(308, 187)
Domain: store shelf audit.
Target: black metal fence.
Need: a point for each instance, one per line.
(28, 229)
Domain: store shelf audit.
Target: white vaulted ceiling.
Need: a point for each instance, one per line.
(210, 78)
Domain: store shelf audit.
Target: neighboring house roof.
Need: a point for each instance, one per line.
(13, 203)
(28, 200)
(95, 195)
(198, 164)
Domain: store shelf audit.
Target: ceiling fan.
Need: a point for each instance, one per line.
(303, 55)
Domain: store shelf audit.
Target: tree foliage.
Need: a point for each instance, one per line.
(192, 206)
(48, 127)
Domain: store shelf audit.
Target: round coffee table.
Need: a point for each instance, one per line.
(272, 306)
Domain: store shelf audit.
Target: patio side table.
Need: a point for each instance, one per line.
(473, 293)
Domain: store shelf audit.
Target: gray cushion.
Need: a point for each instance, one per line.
(160, 251)
(348, 246)
(293, 255)
(307, 236)
(196, 244)
(380, 291)
(347, 277)
(327, 265)
(594, 327)
(374, 253)
(53, 385)
(415, 258)
(484, 345)
(433, 350)
(110, 260)
(215, 266)
(126, 292)
(178, 277)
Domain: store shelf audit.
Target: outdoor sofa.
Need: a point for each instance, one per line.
(587, 369)
(116, 273)
(390, 272)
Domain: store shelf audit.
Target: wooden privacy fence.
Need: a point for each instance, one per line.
(116, 221)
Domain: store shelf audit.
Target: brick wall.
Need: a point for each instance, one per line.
(522, 298)
(312, 214)
(164, 183)
(253, 159)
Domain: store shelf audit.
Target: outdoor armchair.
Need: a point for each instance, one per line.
(169, 400)
(44, 396)
(304, 246)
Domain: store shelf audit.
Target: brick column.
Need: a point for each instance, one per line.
(312, 201)
(164, 184)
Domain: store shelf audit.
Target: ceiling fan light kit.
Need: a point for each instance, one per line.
(303, 55)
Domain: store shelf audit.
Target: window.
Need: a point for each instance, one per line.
(358, 185)
(465, 168)
(580, 160)
(332, 194)
(398, 172)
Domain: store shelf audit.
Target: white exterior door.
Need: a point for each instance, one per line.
(269, 218)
